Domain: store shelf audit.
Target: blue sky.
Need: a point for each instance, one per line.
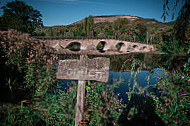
(64, 12)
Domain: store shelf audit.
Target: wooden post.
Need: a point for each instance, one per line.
(80, 99)
(80, 102)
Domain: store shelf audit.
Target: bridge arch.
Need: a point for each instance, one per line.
(74, 46)
(120, 46)
(143, 48)
(135, 46)
(101, 46)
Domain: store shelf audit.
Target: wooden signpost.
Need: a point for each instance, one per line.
(82, 70)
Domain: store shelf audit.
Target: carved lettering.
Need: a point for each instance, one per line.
(88, 69)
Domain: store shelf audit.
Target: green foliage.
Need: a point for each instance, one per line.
(32, 62)
(100, 46)
(20, 16)
(182, 22)
(169, 97)
(119, 29)
(173, 46)
(88, 26)
(19, 116)
(103, 108)
(58, 107)
(74, 46)
(172, 105)
(118, 46)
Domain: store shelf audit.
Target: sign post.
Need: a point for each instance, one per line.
(82, 70)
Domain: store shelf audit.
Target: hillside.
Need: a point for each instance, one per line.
(124, 27)
(108, 18)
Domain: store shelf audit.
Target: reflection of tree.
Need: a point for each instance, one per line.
(168, 62)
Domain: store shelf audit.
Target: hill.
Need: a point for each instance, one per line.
(108, 18)
(124, 27)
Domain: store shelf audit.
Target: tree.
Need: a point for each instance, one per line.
(20, 16)
(183, 19)
(88, 26)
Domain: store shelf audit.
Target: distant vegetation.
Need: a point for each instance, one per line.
(143, 30)
(140, 30)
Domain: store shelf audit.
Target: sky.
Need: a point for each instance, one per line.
(65, 12)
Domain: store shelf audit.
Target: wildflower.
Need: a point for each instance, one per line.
(140, 89)
(188, 79)
(113, 123)
(128, 118)
(181, 105)
(183, 77)
(119, 109)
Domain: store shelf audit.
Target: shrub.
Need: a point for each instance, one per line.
(32, 60)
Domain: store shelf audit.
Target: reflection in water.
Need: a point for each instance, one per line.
(143, 79)
(168, 62)
(155, 65)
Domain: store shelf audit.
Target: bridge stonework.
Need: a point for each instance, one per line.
(109, 45)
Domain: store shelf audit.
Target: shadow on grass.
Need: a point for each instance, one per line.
(11, 81)
(140, 111)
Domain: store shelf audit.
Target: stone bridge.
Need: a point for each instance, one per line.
(108, 45)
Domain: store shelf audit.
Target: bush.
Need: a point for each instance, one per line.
(102, 107)
(173, 46)
(32, 61)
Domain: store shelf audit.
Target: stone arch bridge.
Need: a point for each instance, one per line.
(91, 44)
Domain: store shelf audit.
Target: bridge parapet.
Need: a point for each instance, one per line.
(91, 44)
(85, 38)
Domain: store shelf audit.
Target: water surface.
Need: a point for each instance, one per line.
(155, 67)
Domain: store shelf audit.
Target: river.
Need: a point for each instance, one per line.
(139, 69)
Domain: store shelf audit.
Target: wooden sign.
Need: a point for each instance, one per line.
(82, 70)
(86, 69)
